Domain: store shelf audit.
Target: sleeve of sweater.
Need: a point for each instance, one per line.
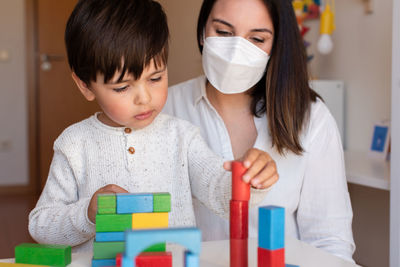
(210, 182)
(324, 212)
(60, 216)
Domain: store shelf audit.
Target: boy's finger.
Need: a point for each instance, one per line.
(258, 165)
(113, 188)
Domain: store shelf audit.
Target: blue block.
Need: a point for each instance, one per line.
(134, 203)
(110, 236)
(191, 260)
(290, 265)
(127, 262)
(102, 263)
(138, 240)
(271, 227)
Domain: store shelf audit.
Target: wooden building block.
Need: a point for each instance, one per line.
(240, 189)
(8, 264)
(291, 265)
(113, 222)
(239, 219)
(107, 250)
(191, 259)
(149, 220)
(54, 255)
(106, 204)
(103, 263)
(238, 253)
(137, 240)
(266, 257)
(110, 236)
(134, 203)
(154, 259)
(161, 202)
(118, 260)
(271, 227)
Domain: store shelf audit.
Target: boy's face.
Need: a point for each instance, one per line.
(130, 103)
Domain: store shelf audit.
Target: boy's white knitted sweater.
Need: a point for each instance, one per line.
(170, 156)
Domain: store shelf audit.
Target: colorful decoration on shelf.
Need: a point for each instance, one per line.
(306, 10)
(327, 26)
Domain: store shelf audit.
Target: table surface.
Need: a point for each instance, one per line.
(216, 254)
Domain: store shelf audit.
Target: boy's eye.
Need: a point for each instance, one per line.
(120, 89)
(223, 33)
(156, 79)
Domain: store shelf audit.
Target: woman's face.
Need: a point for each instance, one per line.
(249, 19)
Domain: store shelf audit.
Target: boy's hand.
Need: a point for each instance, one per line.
(108, 189)
(262, 172)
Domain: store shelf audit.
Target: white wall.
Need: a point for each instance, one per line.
(362, 59)
(13, 95)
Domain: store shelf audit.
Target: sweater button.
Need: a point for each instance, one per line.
(128, 130)
(131, 150)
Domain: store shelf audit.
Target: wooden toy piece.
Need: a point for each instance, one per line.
(161, 202)
(239, 219)
(134, 203)
(149, 220)
(110, 236)
(103, 262)
(240, 189)
(291, 265)
(106, 204)
(191, 259)
(54, 255)
(137, 240)
(266, 257)
(271, 227)
(107, 250)
(7, 264)
(154, 259)
(238, 253)
(118, 260)
(113, 222)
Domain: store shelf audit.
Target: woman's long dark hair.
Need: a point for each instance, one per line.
(284, 92)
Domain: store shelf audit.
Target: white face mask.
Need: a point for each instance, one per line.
(233, 64)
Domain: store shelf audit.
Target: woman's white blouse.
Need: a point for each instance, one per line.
(312, 187)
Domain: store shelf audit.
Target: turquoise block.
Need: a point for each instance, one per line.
(271, 227)
(127, 262)
(134, 203)
(110, 236)
(103, 263)
(290, 265)
(191, 260)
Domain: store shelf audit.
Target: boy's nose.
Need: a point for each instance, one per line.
(143, 96)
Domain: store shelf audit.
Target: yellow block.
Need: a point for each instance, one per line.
(149, 220)
(3, 264)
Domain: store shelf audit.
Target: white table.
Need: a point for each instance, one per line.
(216, 254)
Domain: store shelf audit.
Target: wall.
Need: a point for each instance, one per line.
(13, 95)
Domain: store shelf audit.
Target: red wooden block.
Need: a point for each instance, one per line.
(240, 189)
(118, 260)
(271, 258)
(239, 219)
(238, 253)
(154, 259)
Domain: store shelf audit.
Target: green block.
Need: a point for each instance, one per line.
(159, 247)
(107, 250)
(107, 204)
(42, 254)
(161, 202)
(113, 222)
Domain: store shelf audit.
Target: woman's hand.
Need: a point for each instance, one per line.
(262, 172)
(108, 189)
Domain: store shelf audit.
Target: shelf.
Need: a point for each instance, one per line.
(361, 169)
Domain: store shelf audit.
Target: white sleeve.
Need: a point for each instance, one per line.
(60, 216)
(209, 181)
(324, 213)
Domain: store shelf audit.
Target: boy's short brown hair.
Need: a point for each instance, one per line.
(105, 36)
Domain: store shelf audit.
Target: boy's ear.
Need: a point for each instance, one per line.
(83, 87)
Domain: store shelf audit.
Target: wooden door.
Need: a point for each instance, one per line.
(59, 103)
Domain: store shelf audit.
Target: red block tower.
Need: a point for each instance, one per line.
(239, 217)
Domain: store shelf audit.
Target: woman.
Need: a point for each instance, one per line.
(255, 93)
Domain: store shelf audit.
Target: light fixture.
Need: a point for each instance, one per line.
(327, 26)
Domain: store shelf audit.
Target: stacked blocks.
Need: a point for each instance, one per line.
(239, 217)
(271, 237)
(41, 254)
(117, 213)
(138, 240)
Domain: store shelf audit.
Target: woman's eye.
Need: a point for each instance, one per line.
(258, 40)
(120, 89)
(223, 33)
(156, 79)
